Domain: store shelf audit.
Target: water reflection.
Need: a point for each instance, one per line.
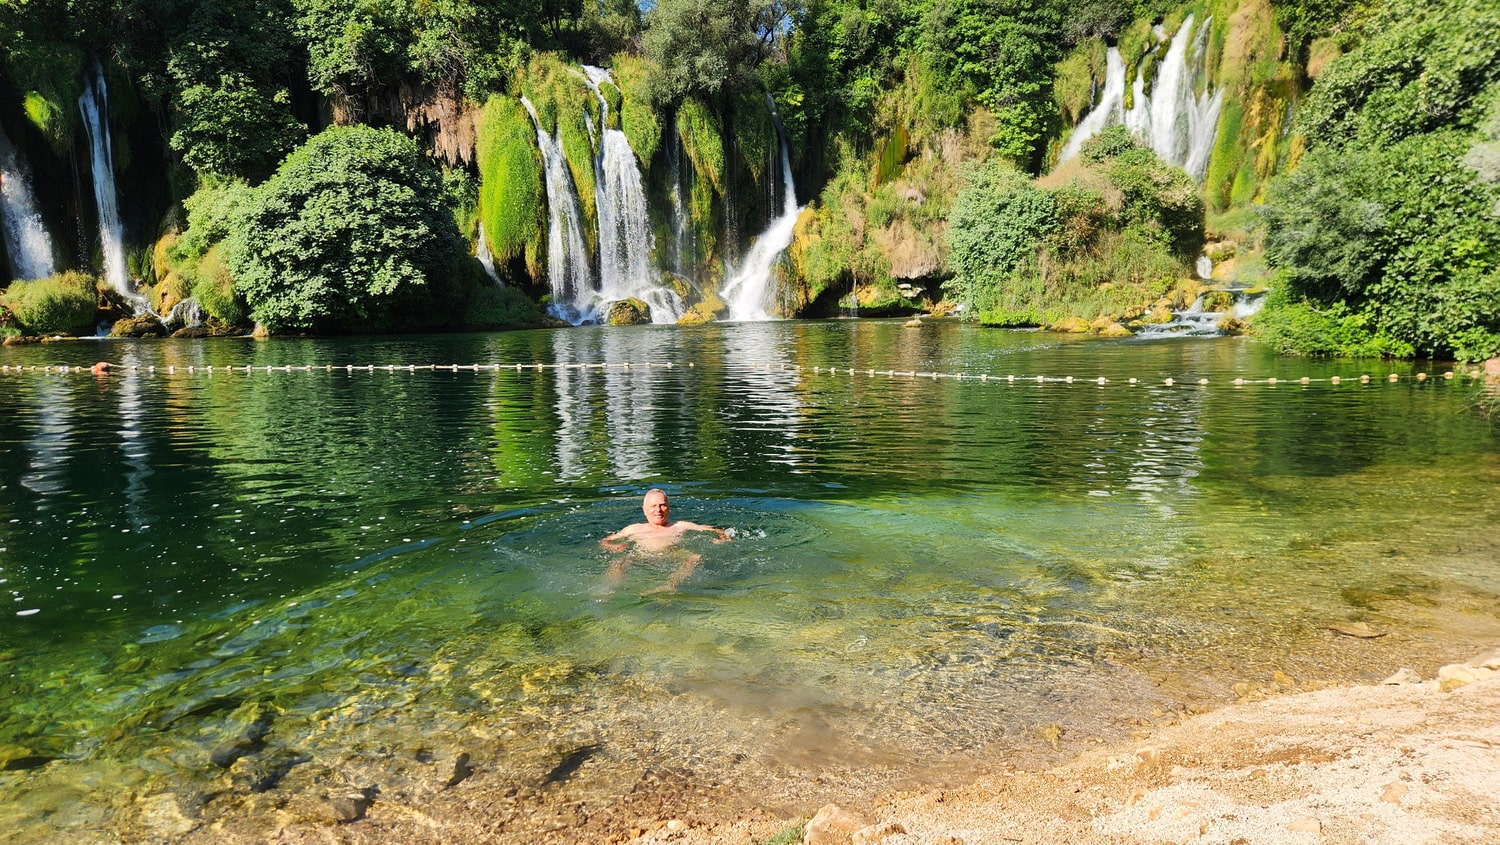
(50, 442)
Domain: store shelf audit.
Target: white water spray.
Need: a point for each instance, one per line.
(94, 105)
(748, 290)
(1176, 123)
(568, 272)
(487, 258)
(26, 240)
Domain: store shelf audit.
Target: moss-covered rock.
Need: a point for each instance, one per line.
(628, 312)
(1070, 325)
(141, 325)
(512, 198)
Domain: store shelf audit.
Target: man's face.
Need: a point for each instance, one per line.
(656, 508)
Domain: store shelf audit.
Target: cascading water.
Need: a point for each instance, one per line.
(487, 258)
(682, 244)
(624, 229)
(748, 290)
(568, 272)
(26, 240)
(94, 105)
(1176, 123)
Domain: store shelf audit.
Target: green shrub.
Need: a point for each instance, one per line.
(1295, 326)
(63, 304)
(495, 307)
(213, 287)
(352, 232)
(996, 223)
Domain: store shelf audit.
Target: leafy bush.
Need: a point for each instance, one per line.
(1296, 326)
(349, 231)
(996, 223)
(213, 287)
(66, 303)
(495, 307)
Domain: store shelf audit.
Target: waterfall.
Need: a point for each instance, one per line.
(94, 105)
(1176, 123)
(487, 258)
(749, 286)
(568, 272)
(682, 244)
(624, 229)
(26, 240)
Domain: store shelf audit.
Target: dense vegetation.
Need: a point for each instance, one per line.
(318, 164)
(1386, 238)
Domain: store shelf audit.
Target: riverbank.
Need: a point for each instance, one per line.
(1407, 761)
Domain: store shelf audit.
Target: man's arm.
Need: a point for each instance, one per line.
(723, 536)
(618, 541)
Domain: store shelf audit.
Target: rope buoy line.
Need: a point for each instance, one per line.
(350, 369)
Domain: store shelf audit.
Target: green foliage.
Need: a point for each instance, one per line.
(705, 49)
(66, 303)
(349, 231)
(1161, 201)
(561, 96)
(703, 141)
(1420, 68)
(211, 211)
(755, 136)
(50, 77)
(495, 307)
(639, 119)
(358, 50)
(996, 222)
(1003, 53)
(231, 115)
(213, 287)
(1401, 234)
(512, 203)
(1296, 326)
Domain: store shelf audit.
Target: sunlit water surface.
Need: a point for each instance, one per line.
(925, 571)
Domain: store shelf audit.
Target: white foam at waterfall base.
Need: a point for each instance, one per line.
(568, 273)
(94, 106)
(625, 238)
(1177, 123)
(748, 289)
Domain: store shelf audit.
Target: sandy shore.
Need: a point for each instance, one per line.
(1395, 763)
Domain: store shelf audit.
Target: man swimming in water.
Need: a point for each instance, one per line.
(658, 534)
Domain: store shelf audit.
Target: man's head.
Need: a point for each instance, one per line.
(658, 512)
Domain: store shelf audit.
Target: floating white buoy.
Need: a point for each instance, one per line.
(1103, 380)
(1306, 380)
(1421, 376)
(1168, 382)
(1271, 380)
(1335, 380)
(1393, 377)
(1010, 378)
(1448, 375)
(1203, 381)
(1239, 382)
(1132, 381)
(1040, 379)
(1364, 379)
(1069, 379)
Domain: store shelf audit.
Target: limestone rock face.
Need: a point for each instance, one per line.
(1115, 330)
(629, 312)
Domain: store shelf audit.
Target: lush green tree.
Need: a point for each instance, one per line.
(232, 115)
(705, 49)
(350, 233)
(1387, 224)
(1001, 52)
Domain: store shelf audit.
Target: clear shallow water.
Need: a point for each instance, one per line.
(924, 569)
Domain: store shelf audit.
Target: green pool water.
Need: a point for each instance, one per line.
(926, 571)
